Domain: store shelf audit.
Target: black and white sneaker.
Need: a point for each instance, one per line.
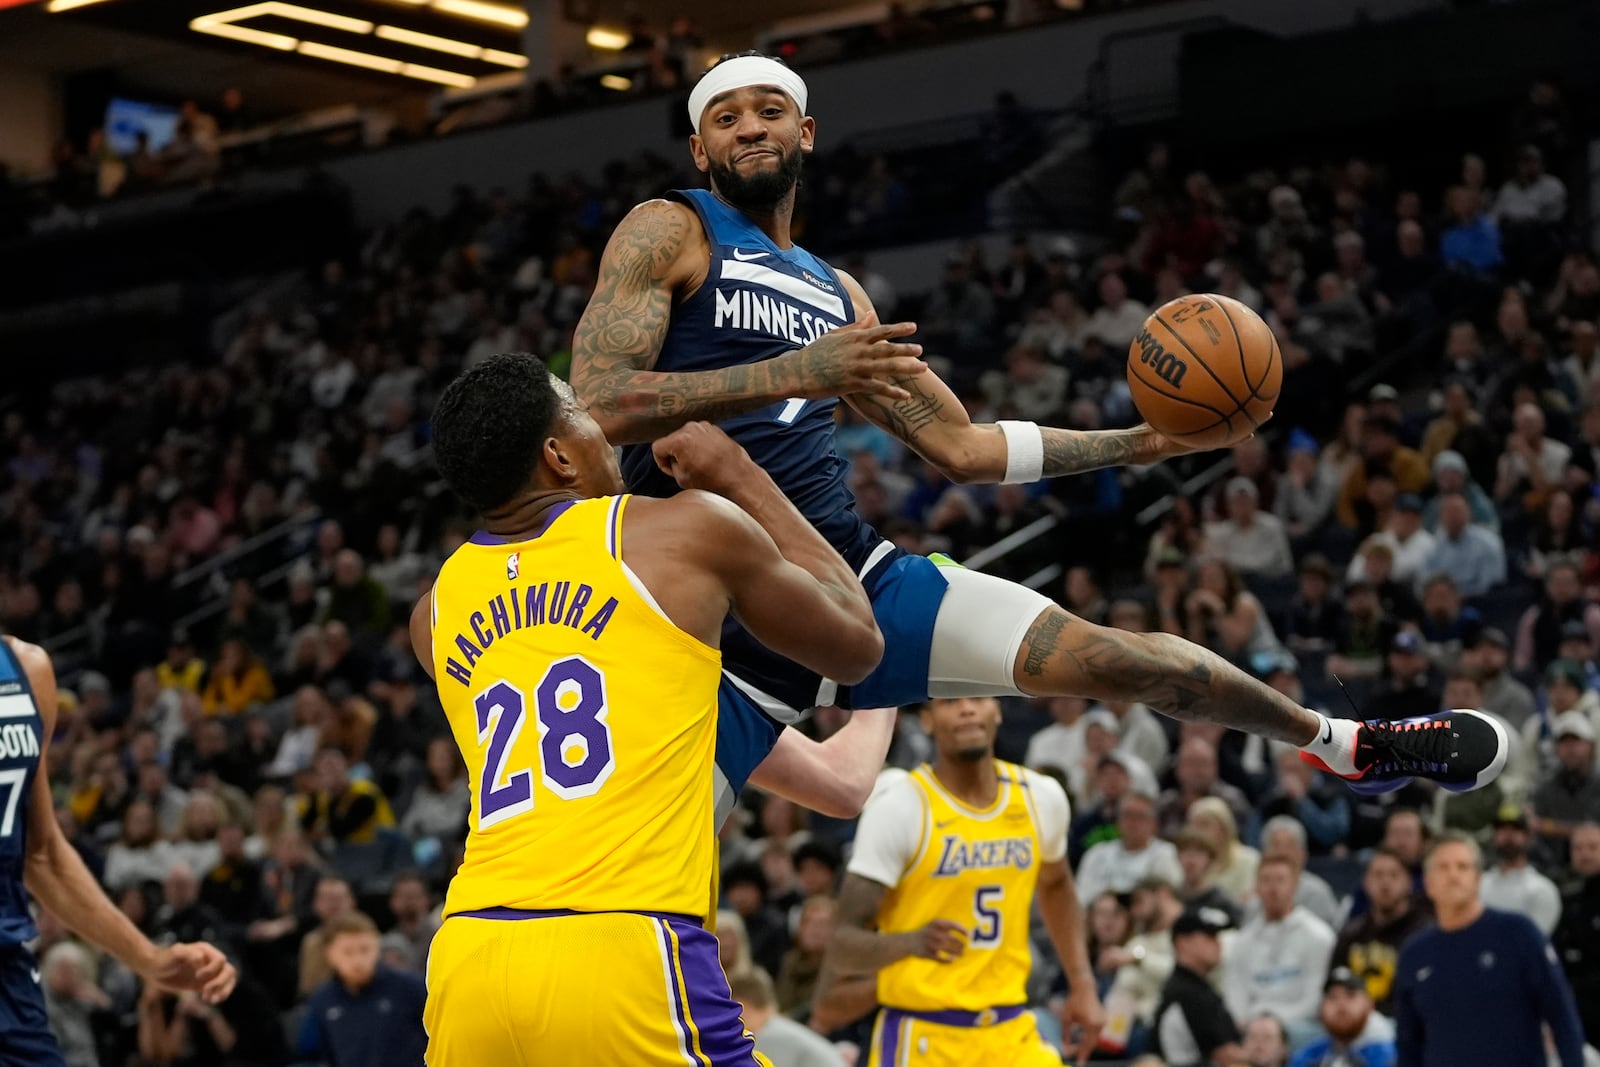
(1461, 749)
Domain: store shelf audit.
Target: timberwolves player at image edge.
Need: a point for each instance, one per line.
(705, 308)
(36, 860)
(574, 640)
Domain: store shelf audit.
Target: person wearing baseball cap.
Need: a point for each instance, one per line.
(1513, 884)
(1410, 689)
(1192, 1024)
(1508, 698)
(1570, 794)
(1451, 474)
(1357, 1035)
(1251, 540)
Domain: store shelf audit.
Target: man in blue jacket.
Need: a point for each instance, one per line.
(1357, 1036)
(366, 1015)
(1481, 985)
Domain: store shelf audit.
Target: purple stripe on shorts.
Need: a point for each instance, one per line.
(711, 1007)
(484, 537)
(987, 1017)
(891, 1036)
(677, 1000)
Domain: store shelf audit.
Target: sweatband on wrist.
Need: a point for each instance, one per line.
(742, 73)
(1024, 452)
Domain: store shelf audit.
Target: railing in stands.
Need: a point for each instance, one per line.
(249, 547)
(1011, 542)
(1158, 94)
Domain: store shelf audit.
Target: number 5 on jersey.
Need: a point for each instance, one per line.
(986, 910)
(574, 739)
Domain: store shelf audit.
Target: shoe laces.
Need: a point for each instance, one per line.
(1410, 745)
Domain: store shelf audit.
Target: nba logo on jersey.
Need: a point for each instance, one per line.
(513, 566)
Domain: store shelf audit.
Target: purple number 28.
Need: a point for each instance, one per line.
(574, 739)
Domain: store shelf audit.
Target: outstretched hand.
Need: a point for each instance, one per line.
(194, 967)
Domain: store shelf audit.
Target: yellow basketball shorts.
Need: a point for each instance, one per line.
(959, 1039)
(517, 989)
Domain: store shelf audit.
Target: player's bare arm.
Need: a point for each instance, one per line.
(858, 947)
(835, 776)
(933, 423)
(658, 253)
(839, 1001)
(55, 875)
(786, 584)
(1063, 917)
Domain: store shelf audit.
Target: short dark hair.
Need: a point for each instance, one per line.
(488, 427)
(746, 54)
(745, 874)
(823, 853)
(1388, 853)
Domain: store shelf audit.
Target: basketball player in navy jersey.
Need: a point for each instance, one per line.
(705, 309)
(35, 858)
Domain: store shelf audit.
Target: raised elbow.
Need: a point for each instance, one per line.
(846, 797)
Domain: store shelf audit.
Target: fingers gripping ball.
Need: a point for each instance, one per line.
(1205, 370)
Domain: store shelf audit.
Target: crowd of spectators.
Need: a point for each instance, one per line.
(224, 556)
(658, 58)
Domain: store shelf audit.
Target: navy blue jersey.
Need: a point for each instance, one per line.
(758, 302)
(21, 731)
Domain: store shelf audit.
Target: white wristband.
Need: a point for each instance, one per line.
(1024, 452)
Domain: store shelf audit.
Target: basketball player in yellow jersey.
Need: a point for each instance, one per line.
(936, 902)
(574, 643)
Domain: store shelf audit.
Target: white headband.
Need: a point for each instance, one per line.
(742, 73)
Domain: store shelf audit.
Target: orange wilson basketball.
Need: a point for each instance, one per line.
(1205, 370)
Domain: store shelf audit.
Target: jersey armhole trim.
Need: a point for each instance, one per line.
(614, 528)
(433, 613)
(925, 831)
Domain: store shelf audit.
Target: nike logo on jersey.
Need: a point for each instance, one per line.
(942, 825)
(35, 972)
(744, 257)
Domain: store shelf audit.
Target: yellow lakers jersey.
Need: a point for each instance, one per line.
(976, 868)
(588, 723)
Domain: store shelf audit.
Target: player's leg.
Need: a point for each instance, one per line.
(994, 636)
(25, 1037)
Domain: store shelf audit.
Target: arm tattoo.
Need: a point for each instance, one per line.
(859, 900)
(1169, 674)
(1077, 451)
(909, 417)
(619, 338)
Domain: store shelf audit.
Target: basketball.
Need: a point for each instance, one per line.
(1205, 370)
